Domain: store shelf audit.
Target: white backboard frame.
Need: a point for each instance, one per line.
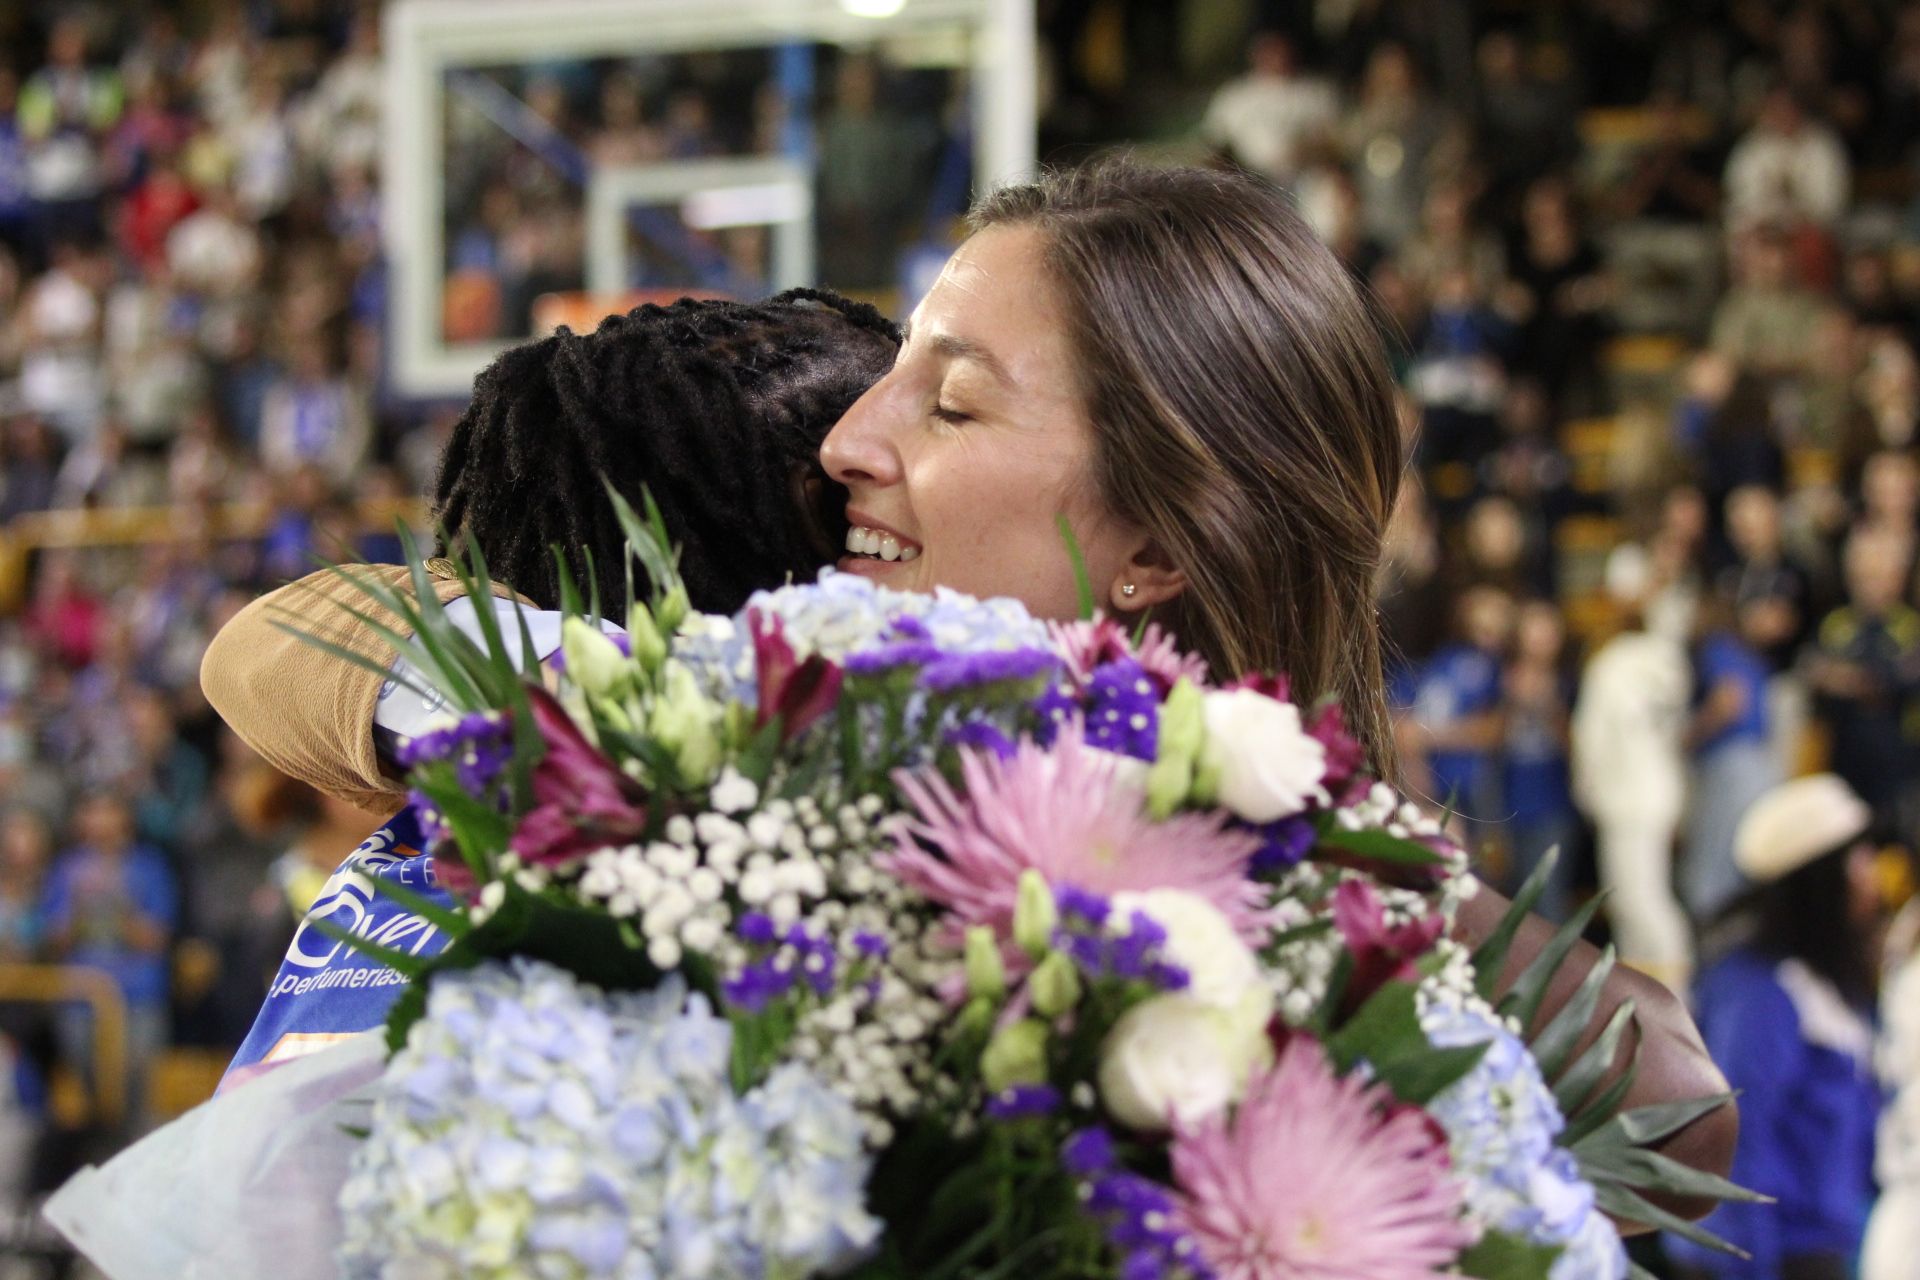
(424, 39)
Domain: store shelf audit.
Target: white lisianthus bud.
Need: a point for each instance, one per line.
(1173, 1059)
(1222, 971)
(685, 722)
(1017, 1054)
(594, 663)
(648, 645)
(1035, 914)
(1054, 986)
(986, 975)
(1258, 757)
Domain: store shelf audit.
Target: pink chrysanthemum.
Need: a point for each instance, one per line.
(1319, 1177)
(1065, 812)
(1086, 645)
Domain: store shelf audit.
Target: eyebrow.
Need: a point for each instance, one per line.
(954, 347)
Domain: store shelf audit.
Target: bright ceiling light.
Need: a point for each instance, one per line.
(873, 8)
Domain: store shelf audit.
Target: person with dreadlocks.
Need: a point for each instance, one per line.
(716, 409)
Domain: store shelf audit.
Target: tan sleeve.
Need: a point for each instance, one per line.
(308, 712)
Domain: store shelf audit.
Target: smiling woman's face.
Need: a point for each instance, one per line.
(960, 461)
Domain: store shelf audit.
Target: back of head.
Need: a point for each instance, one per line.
(1243, 412)
(715, 408)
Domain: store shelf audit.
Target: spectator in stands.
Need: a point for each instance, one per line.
(29, 464)
(1395, 138)
(61, 376)
(1766, 322)
(1524, 124)
(1558, 296)
(111, 904)
(313, 416)
(1629, 775)
(1787, 1015)
(1865, 670)
(66, 111)
(64, 618)
(1457, 704)
(1790, 170)
(26, 848)
(19, 212)
(1536, 790)
(1771, 596)
(1735, 759)
(1890, 501)
(1266, 119)
(215, 252)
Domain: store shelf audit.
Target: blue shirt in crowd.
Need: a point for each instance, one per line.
(88, 895)
(1459, 681)
(1800, 1057)
(1725, 657)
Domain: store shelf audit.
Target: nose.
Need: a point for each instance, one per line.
(860, 449)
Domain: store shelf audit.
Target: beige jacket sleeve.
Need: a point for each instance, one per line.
(308, 712)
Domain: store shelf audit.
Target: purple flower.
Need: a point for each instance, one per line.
(1087, 1152)
(971, 670)
(871, 945)
(891, 657)
(1283, 844)
(981, 736)
(1079, 903)
(1056, 708)
(1123, 710)
(478, 747)
(757, 928)
(583, 802)
(1023, 1101)
(1133, 956)
(793, 692)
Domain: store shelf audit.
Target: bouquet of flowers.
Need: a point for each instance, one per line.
(896, 935)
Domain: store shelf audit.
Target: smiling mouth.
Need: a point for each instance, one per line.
(877, 544)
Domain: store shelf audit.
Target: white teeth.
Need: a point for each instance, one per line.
(862, 541)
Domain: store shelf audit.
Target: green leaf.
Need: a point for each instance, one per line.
(1523, 1002)
(1603, 1108)
(1378, 846)
(646, 542)
(1625, 1205)
(1421, 1076)
(1646, 1125)
(1490, 957)
(453, 923)
(1082, 583)
(1385, 1027)
(1650, 1171)
(1499, 1256)
(1571, 1089)
(357, 659)
(1555, 1044)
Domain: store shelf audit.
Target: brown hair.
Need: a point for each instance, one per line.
(1243, 412)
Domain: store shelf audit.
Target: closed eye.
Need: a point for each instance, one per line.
(952, 417)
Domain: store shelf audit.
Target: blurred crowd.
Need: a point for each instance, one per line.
(1650, 275)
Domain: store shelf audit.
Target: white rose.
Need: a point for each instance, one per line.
(1172, 1058)
(1221, 970)
(1265, 764)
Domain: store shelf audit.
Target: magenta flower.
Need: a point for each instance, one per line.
(1382, 953)
(1067, 813)
(799, 693)
(1319, 1177)
(1346, 758)
(1087, 646)
(582, 802)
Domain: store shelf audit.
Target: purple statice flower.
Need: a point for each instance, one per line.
(1087, 1152)
(1134, 956)
(1123, 710)
(786, 959)
(478, 744)
(1282, 844)
(756, 928)
(979, 735)
(1143, 1227)
(871, 946)
(433, 824)
(1057, 708)
(955, 672)
(758, 985)
(1023, 1102)
(891, 657)
(908, 627)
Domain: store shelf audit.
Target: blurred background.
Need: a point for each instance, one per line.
(1649, 274)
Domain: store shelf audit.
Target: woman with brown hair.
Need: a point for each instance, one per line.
(1172, 362)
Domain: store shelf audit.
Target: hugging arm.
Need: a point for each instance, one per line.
(308, 712)
(1673, 1064)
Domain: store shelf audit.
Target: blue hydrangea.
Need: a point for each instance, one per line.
(1501, 1121)
(534, 1125)
(843, 614)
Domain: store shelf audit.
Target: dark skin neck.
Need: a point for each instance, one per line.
(1674, 1064)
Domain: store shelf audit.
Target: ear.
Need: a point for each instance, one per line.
(1152, 575)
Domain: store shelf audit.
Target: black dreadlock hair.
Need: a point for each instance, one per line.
(715, 408)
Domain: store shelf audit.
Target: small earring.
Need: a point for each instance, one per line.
(1129, 590)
